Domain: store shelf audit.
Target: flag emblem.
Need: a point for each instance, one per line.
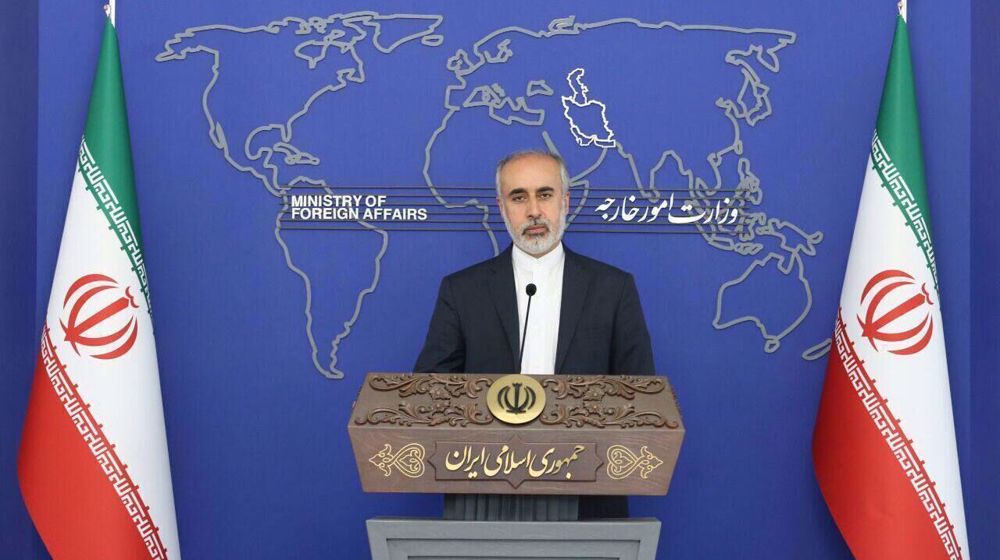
(898, 313)
(100, 317)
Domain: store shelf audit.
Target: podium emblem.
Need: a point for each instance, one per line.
(516, 399)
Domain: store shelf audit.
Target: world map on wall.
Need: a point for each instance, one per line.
(562, 87)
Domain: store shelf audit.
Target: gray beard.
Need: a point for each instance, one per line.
(538, 245)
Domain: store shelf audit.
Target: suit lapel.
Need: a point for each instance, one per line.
(504, 294)
(574, 294)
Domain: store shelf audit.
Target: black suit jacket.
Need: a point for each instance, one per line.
(474, 329)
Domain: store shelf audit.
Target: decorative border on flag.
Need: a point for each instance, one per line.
(903, 198)
(107, 201)
(102, 449)
(895, 438)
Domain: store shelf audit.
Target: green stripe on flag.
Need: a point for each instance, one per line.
(114, 211)
(904, 200)
(107, 127)
(896, 151)
(105, 159)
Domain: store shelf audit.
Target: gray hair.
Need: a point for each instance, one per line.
(563, 172)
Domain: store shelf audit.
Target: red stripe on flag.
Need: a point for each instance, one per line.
(79, 494)
(874, 483)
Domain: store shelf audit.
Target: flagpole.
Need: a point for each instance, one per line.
(902, 8)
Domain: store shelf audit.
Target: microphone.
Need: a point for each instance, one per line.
(530, 289)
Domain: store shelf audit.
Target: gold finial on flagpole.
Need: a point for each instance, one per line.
(902, 8)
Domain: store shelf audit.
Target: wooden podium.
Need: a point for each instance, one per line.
(506, 448)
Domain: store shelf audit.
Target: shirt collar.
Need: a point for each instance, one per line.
(545, 263)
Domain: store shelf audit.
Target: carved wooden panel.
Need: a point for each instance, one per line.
(443, 434)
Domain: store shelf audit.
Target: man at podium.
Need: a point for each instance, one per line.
(538, 307)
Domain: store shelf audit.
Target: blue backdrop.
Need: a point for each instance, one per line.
(254, 320)
(18, 111)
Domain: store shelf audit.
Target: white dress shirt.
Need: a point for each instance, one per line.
(546, 273)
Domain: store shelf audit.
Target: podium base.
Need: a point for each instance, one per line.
(438, 539)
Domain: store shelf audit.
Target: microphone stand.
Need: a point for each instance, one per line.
(530, 289)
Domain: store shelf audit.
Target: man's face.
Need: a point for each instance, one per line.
(533, 203)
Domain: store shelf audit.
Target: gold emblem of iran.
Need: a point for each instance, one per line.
(516, 399)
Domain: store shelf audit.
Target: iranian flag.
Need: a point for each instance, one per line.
(93, 463)
(884, 445)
